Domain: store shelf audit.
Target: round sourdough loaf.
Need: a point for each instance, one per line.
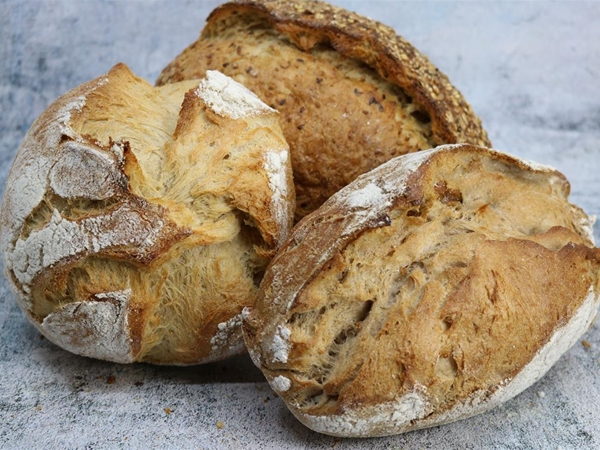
(432, 288)
(137, 221)
(352, 93)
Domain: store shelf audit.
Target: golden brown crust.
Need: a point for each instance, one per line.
(352, 94)
(137, 220)
(309, 23)
(436, 286)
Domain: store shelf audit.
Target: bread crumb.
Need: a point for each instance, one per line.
(111, 379)
(168, 411)
(586, 344)
(541, 394)
(220, 425)
(38, 408)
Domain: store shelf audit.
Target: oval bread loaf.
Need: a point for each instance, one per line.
(137, 221)
(432, 288)
(352, 93)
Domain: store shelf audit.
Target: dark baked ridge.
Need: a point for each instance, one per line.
(439, 275)
(352, 93)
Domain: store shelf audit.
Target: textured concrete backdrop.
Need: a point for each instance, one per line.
(530, 70)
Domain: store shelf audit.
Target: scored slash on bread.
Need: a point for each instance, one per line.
(430, 289)
(352, 93)
(137, 221)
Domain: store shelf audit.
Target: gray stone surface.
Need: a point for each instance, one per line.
(530, 70)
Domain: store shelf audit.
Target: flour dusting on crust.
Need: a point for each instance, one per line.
(375, 191)
(537, 166)
(377, 418)
(275, 166)
(366, 197)
(62, 238)
(30, 173)
(97, 328)
(280, 346)
(228, 340)
(281, 383)
(228, 98)
(587, 228)
(87, 162)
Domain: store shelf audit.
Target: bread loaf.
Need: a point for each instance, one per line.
(352, 93)
(432, 288)
(137, 221)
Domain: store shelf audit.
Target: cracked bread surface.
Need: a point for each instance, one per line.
(352, 93)
(137, 221)
(432, 288)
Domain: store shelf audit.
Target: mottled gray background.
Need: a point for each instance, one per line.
(530, 69)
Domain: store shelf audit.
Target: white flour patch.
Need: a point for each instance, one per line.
(281, 383)
(227, 341)
(228, 98)
(280, 347)
(377, 420)
(225, 331)
(372, 193)
(118, 149)
(368, 196)
(84, 171)
(95, 328)
(57, 240)
(61, 238)
(275, 166)
(536, 166)
(63, 118)
(587, 228)
(28, 180)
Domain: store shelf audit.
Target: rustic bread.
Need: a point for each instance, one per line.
(352, 93)
(430, 289)
(137, 221)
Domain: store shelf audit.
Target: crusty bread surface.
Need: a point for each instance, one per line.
(432, 288)
(137, 221)
(352, 93)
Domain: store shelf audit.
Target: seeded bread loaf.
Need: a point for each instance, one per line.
(137, 221)
(352, 93)
(432, 288)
